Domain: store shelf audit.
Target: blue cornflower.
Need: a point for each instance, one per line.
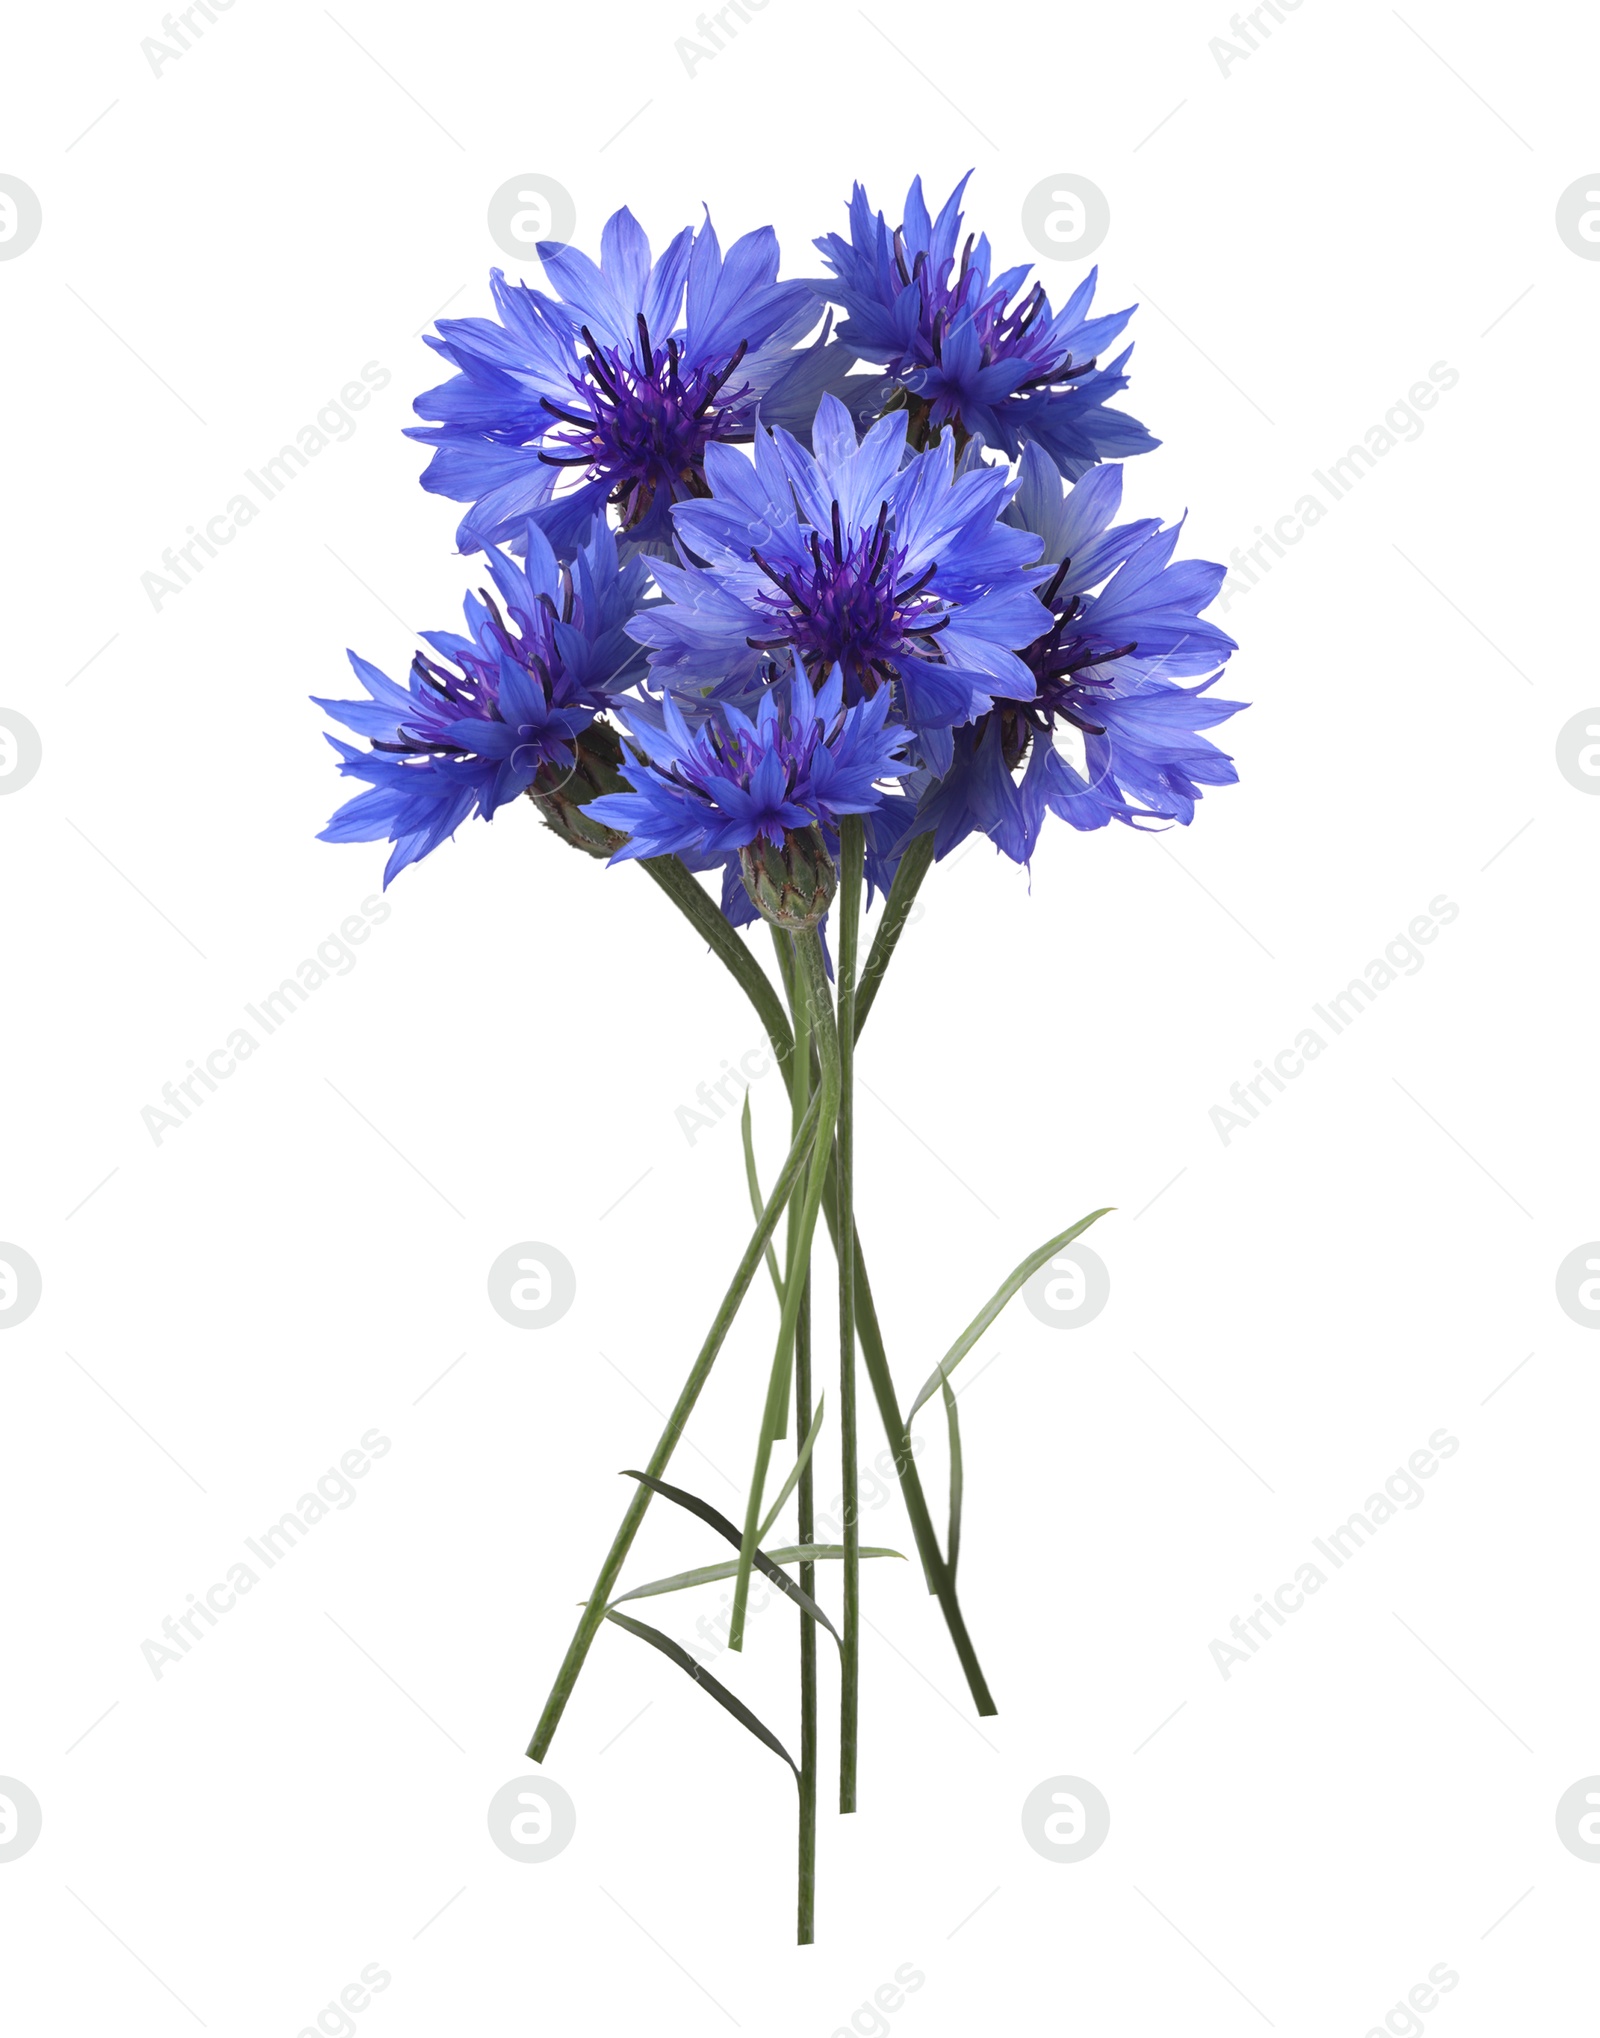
(605, 383)
(986, 356)
(902, 576)
(1105, 734)
(503, 709)
(802, 762)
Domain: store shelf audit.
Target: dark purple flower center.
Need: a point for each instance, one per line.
(642, 418)
(945, 300)
(451, 697)
(951, 300)
(731, 756)
(1067, 690)
(842, 603)
(473, 693)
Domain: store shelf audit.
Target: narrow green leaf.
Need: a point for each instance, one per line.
(792, 1481)
(706, 1681)
(953, 1420)
(725, 1528)
(756, 1202)
(710, 1574)
(996, 1302)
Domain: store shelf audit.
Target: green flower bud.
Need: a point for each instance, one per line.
(559, 794)
(793, 886)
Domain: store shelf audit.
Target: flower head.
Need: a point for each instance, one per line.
(983, 354)
(802, 762)
(1105, 734)
(493, 712)
(619, 383)
(902, 577)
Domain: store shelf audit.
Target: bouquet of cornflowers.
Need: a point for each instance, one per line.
(801, 602)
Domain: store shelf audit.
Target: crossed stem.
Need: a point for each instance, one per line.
(821, 1158)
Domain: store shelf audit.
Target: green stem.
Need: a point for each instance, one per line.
(940, 1579)
(811, 1127)
(812, 975)
(914, 867)
(690, 897)
(753, 1183)
(915, 864)
(851, 856)
(783, 949)
(806, 1877)
(796, 1266)
(806, 1880)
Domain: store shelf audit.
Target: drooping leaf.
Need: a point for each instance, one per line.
(703, 1677)
(710, 1574)
(725, 1528)
(1018, 1276)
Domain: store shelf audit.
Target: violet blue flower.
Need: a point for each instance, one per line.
(476, 725)
(1105, 734)
(900, 575)
(617, 384)
(985, 355)
(802, 762)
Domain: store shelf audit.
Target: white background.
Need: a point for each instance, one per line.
(304, 1793)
